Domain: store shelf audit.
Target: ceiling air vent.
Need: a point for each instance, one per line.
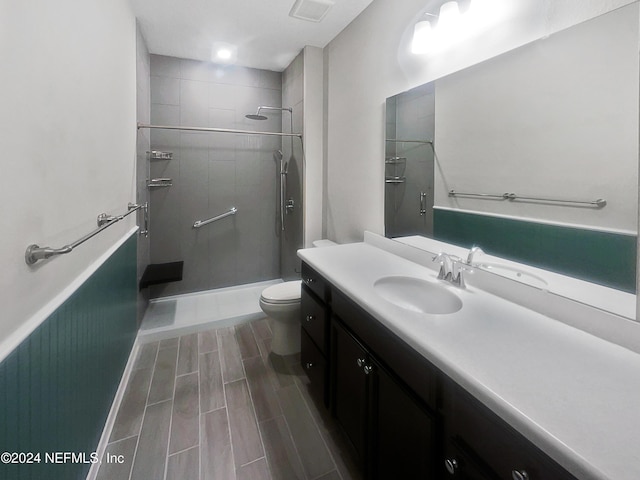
(310, 10)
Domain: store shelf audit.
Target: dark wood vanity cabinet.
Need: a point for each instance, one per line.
(403, 417)
(480, 445)
(393, 431)
(314, 317)
(393, 435)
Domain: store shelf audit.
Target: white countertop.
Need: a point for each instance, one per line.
(574, 395)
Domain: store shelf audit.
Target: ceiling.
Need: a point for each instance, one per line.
(265, 35)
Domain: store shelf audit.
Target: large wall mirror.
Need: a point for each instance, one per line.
(552, 124)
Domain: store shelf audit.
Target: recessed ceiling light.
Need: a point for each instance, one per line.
(311, 10)
(224, 53)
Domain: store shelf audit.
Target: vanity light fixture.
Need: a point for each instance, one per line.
(451, 25)
(422, 37)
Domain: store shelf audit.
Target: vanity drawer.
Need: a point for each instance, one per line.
(315, 366)
(315, 282)
(314, 318)
(495, 445)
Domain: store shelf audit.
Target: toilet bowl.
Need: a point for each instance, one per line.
(281, 303)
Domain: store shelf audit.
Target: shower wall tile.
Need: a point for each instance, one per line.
(222, 146)
(247, 100)
(249, 77)
(195, 70)
(165, 90)
(270, 79)
(165, 66)
(223, 96)
(213, 172)
(222, 172)
(194, 107)
(165, 139)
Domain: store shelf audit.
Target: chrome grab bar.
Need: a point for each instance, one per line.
(397, 140)
(202, 223)
(599, 203)
(35, 252)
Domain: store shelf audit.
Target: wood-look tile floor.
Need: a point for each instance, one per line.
(218, 405)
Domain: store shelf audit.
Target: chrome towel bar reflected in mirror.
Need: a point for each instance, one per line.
(599, 203)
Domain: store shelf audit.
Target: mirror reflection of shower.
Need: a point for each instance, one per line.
(285, 206)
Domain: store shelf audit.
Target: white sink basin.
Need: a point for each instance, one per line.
(417, 295)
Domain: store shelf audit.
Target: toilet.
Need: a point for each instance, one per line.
(281, 303)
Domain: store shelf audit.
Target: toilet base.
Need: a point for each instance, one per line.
(286, 337)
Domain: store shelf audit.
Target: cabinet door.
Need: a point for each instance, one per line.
(404, 432)
(350, 387)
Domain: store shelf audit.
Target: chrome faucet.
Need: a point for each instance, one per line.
(475, 249)
(445, 266)
(451, 269)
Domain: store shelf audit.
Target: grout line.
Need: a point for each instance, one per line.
(184, 450)
(254, 461)
(166, 460)
(253, 407)
(233, 459)
(122, 439)
(144, 414)
(295, 446)
(313, 419)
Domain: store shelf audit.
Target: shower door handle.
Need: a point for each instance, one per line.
(423, 203)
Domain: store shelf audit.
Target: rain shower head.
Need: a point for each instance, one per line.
(257, 115)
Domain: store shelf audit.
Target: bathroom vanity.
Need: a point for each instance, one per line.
(489, 391)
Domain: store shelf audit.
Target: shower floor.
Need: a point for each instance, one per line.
(194, 312)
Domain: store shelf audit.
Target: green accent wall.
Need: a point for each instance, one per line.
(601, 257)
(57, 387)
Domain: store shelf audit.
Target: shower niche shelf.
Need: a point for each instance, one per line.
(158, 155)
(159, 273)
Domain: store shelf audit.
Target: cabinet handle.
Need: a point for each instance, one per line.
(308, 365)
(309, 280)
(368, 369)
(519, 475)
(451, 464)
(360, 362)
(310, 318)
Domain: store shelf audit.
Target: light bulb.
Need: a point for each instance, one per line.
(224, 54)
(449, 15)
(422, 34)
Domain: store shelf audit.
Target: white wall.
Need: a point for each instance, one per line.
(370, 60)
(68, 136)
(313, 144)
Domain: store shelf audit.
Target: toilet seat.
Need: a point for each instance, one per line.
(282, 293)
